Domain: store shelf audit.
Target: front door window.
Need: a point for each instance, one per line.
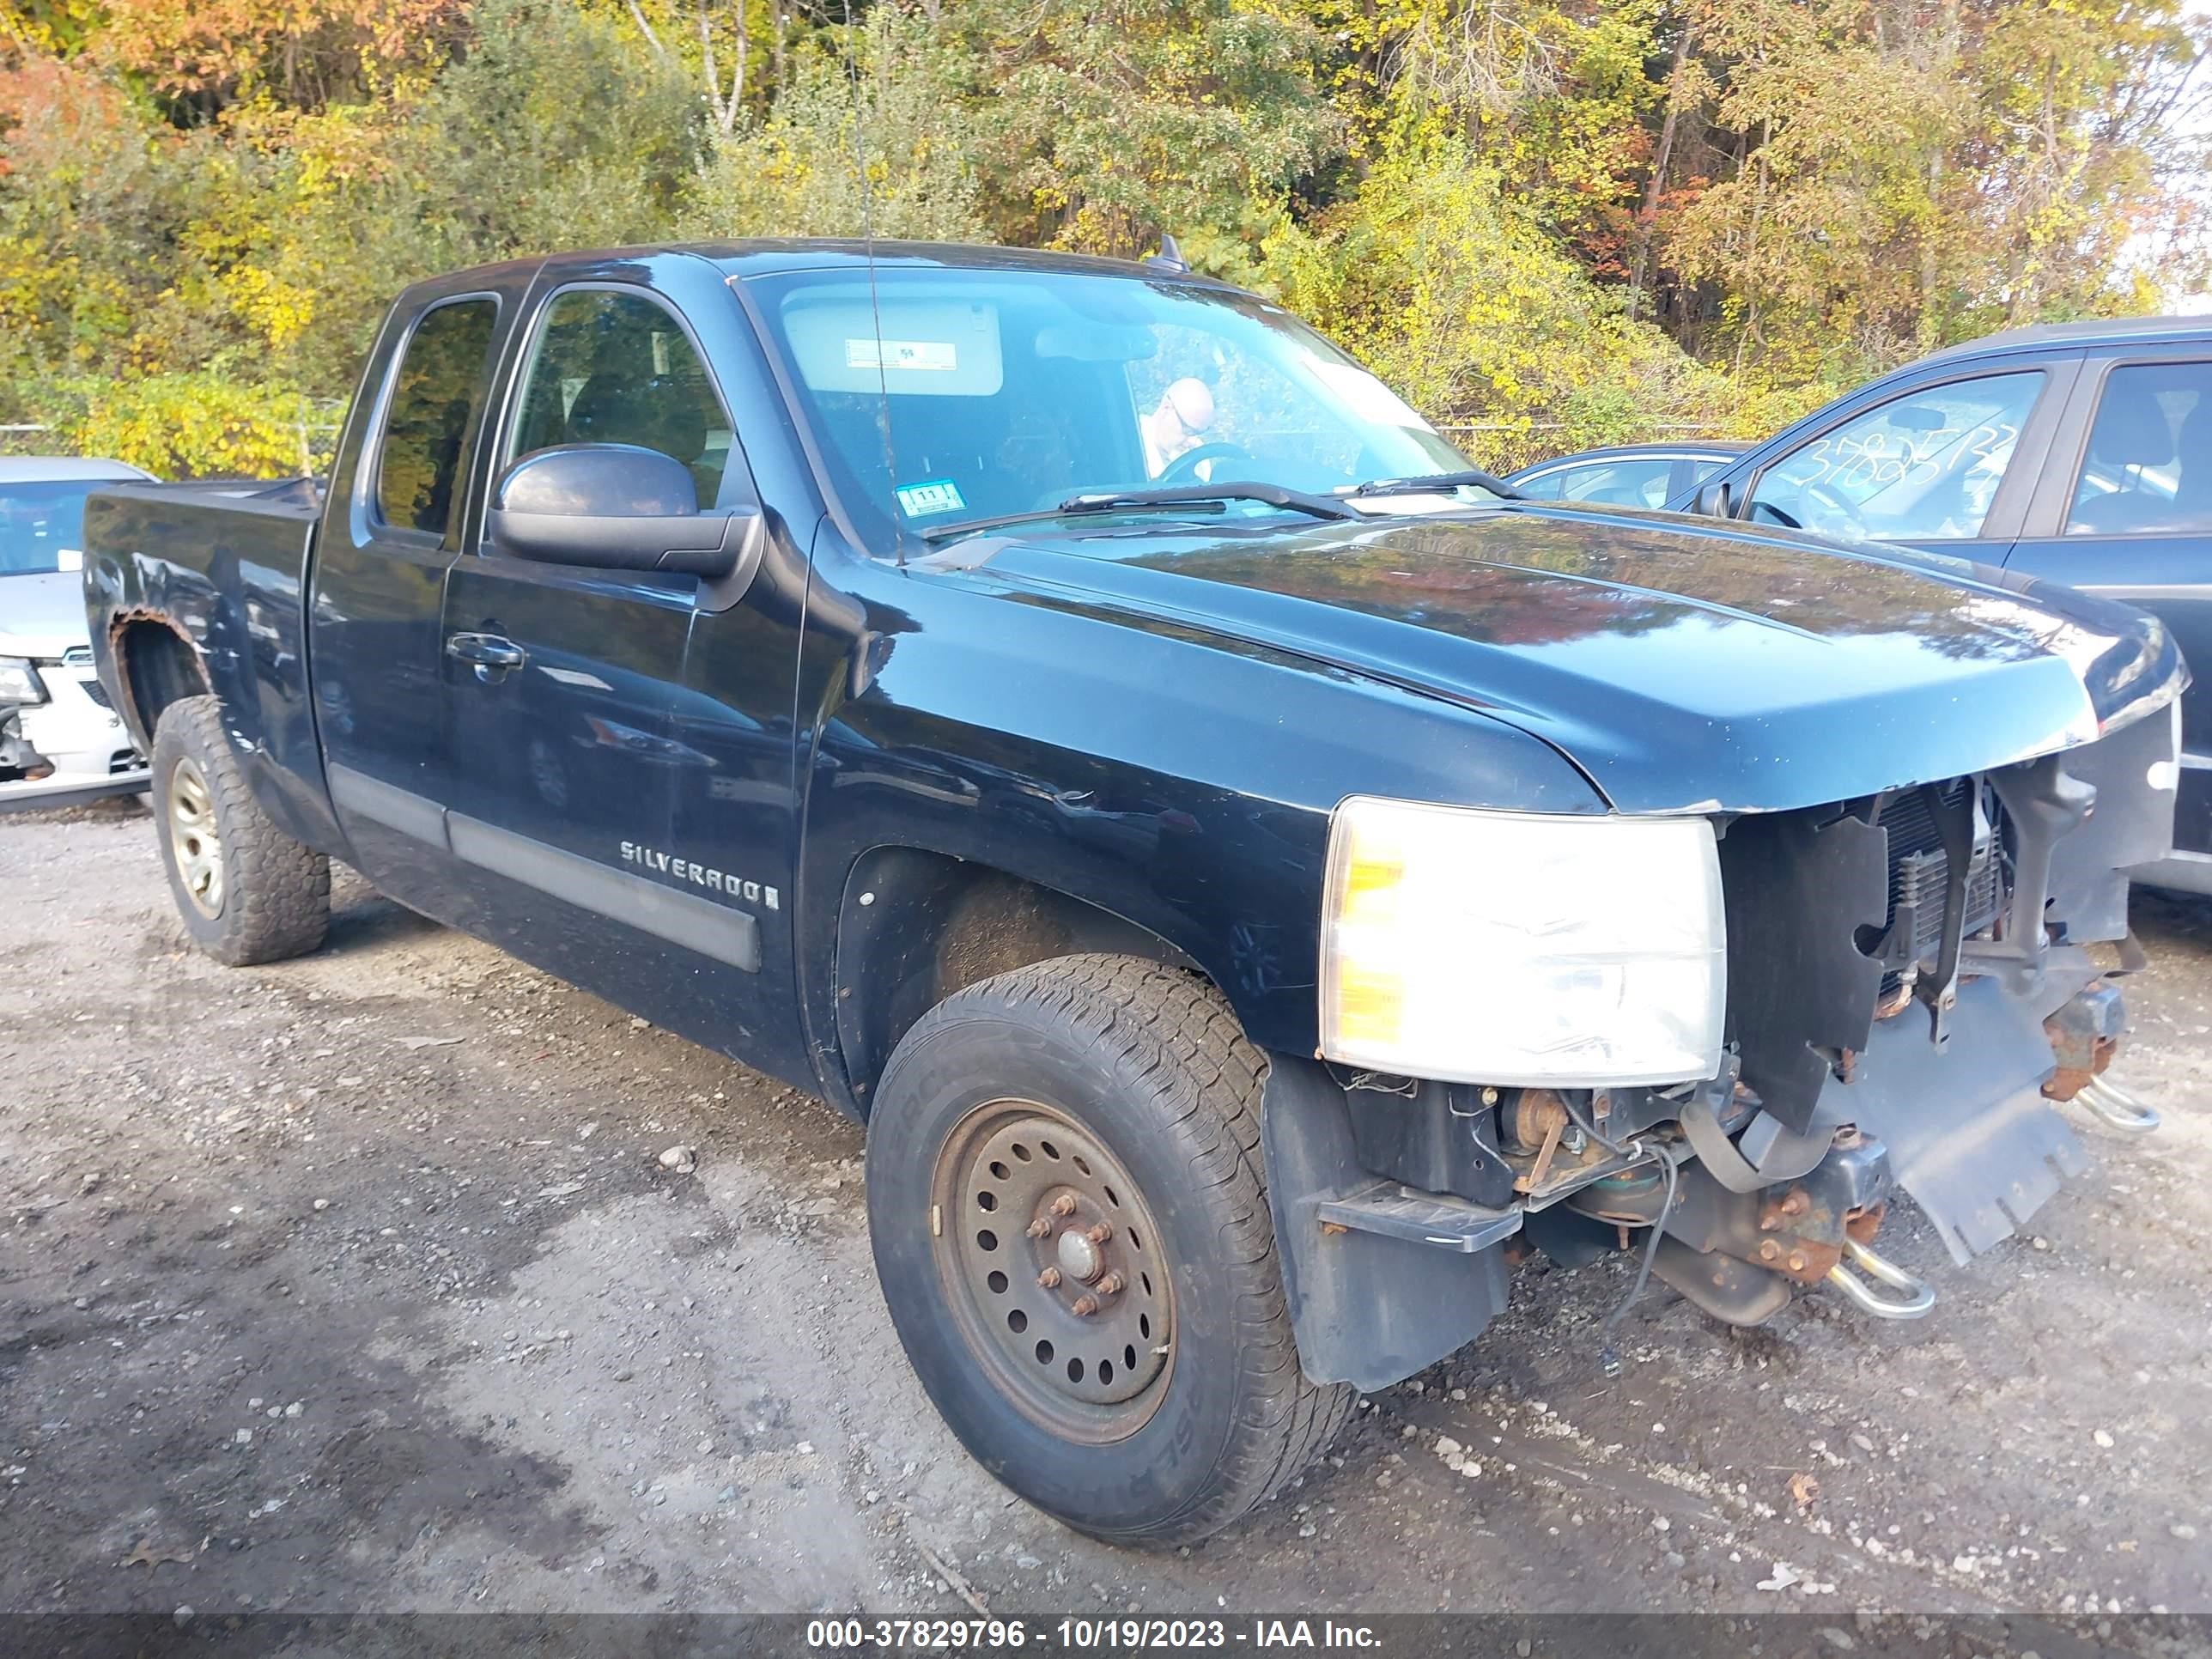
(1922, 467)
(616, 368)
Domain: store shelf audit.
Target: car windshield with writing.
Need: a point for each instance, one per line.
(939, 398)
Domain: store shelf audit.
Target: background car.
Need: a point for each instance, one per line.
(2077, 451)
(1626, 475)
(60, 739)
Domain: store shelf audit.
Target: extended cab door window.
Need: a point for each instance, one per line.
(616, 368)
(1924, 466)
(432, 409)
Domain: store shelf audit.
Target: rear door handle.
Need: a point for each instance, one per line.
(486, 650)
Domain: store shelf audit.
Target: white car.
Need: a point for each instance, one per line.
(60, 742)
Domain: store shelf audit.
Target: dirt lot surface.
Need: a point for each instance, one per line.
(358, 1283)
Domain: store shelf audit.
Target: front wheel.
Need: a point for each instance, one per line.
(1069, 1221)
(245, 891)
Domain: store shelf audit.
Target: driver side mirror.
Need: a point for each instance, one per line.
(617, 506)
(1712, 501)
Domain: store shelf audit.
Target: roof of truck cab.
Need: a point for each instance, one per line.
(756, 258)
(767, 257)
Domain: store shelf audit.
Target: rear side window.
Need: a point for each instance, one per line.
(1632, 481)
(616, 368)
(435, 401)
(2149, 470)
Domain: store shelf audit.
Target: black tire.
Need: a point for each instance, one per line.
(271, 898)
(1153, 1068)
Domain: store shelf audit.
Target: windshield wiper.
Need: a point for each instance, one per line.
(1437, 483)
(1141, 501)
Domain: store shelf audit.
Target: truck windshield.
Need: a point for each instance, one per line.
(42, 527)
(938, 395)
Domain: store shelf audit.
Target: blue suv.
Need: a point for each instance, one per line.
(2077, 451)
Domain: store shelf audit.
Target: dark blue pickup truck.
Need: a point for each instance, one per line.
(1255, 876)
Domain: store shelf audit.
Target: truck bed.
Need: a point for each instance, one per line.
(218, 569)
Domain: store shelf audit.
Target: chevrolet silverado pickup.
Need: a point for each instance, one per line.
(1253, 876)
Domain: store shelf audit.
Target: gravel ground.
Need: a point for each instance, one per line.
(358, 1283)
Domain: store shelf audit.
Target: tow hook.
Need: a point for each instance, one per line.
(2085, 1034)
(2118, 1108)
(1918, 1295)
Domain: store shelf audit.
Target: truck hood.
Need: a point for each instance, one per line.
(1683, 667)
(43, 614)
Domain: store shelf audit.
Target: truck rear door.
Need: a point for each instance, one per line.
(377, 592)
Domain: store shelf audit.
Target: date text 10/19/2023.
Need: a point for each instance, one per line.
(1083, 1635)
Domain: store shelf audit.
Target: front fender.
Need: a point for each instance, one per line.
(1180, 782)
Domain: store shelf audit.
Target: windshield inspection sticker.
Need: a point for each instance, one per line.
(918, 500)
(939, 355)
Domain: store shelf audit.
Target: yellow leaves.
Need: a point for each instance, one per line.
(200, 425)
(1438, 276)
(280, 311)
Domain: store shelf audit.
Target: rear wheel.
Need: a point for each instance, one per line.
(1065, 1204)
(245, 891)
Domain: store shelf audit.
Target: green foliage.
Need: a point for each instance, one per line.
(1446, 285)
(854, 144)
(1549, 222)
(194, 426)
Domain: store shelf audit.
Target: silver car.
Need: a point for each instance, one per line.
(60, 739)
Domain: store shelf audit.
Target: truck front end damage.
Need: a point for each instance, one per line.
(1910, 996)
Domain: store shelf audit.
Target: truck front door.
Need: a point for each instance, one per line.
(563, 687)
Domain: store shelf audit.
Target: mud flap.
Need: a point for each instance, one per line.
(1970, 1135)
(1366, 1309)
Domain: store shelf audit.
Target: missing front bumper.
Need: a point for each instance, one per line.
(1971, 1138)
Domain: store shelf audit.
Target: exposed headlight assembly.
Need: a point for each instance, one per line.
(1522, 948)
(19, 682)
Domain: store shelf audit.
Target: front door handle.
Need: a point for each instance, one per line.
(486, 650)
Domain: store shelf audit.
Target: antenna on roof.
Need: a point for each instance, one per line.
(1170, 257)
(875, 303)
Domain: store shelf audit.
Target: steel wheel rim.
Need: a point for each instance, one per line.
(192, 838)
(1019, 1198)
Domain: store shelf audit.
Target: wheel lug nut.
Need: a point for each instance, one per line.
(1111, 1284)
(1049, 1279)
(1086, 1306)
(1101, 1233)
(1063, 1204)
(1039, 1229)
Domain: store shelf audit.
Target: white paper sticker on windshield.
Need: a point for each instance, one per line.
(918, 500)
(941, 356)
(69, 558)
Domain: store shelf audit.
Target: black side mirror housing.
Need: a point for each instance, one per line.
(1712, 501)
(617, 506)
